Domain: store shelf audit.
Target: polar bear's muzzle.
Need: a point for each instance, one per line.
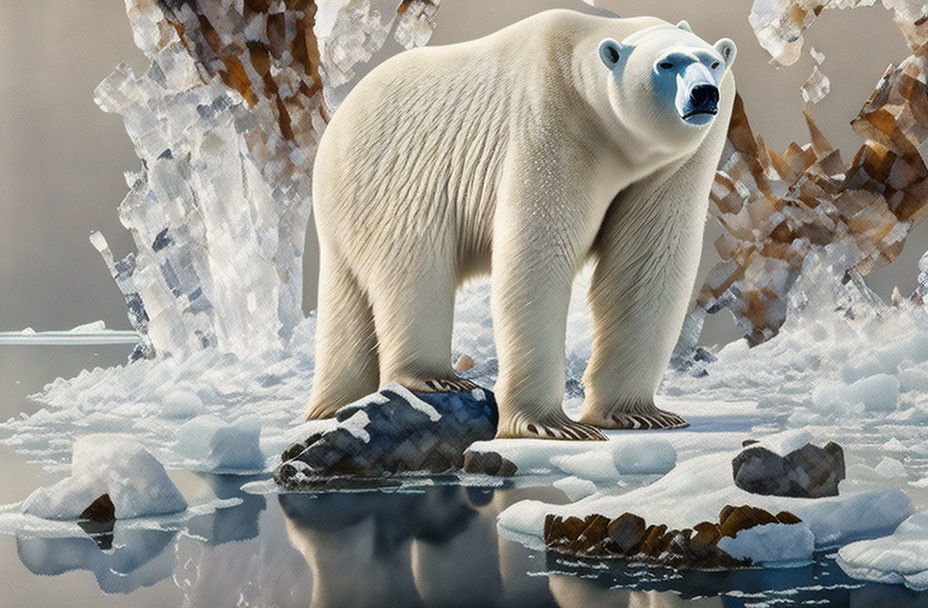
(704, 99)
(697, 95)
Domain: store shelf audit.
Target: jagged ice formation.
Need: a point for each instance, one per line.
(777, 208)
(226, 122)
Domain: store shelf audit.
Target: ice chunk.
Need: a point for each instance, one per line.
(575, 487)
(643, 455)
(890, 467)
(134, 480)
(594, 465)
(181, 403)
(901, 558)
(771, 543)
(89, 328)
(212, 444)
(879, 392)
(816, 87)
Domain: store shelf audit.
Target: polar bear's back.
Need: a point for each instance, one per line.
(424, 135)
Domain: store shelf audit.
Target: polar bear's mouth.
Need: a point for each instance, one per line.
(712, 112)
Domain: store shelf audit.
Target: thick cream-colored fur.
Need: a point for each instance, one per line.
(518, 152)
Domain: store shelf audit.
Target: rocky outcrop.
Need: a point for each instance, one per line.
(392, 432)
(630, 537)
(809, 472)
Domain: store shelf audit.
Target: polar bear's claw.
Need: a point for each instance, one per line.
(552, 427)
(657, 419)
(440, 385)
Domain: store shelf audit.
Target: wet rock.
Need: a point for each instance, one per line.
(488, 463)
(628, 536)
(392, 432)
(809, 472)
(100, 510)
(626, 533)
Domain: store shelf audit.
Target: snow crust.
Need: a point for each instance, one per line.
(135, 481)
(900, 558)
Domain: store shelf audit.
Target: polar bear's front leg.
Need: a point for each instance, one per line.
(647, 258)
(540, 234)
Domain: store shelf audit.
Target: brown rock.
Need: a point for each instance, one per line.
(626, 533)
(507, 469)
(785, 517)
(560, 532)
(101, 510)
(653, 535)
(590, 541)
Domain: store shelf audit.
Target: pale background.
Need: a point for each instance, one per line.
(61, 158)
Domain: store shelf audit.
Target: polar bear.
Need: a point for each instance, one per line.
(560, 139)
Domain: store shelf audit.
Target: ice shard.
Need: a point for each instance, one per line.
(226, 121)
(777, 208)
(817, 86)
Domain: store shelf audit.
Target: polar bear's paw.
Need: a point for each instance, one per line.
(551, 426)
(638, 419)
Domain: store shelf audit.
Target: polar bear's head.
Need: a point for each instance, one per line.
(665, 79)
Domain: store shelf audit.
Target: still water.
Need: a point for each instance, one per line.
(435, 546)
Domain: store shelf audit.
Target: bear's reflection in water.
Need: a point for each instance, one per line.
(434, 548)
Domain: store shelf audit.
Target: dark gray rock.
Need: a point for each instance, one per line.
(488, 463)
(809, 472)
(392, 432)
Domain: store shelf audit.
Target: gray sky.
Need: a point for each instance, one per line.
(61, 158)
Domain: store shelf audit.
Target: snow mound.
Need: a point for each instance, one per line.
(900, 558)
(135, 481)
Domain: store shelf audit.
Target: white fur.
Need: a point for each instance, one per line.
(522, 153)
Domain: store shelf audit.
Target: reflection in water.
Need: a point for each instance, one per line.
(432, 548)
(437, 547)
(137, 559)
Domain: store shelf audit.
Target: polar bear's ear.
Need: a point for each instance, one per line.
(683, 25)
(613, 53)
(727, 49)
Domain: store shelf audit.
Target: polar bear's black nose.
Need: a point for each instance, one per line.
(704, 98)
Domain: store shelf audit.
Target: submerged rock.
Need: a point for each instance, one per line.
(628, 536)
(392, 432)
(808, 472)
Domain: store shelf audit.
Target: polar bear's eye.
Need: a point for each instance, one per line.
(665, 65)
(715, 65)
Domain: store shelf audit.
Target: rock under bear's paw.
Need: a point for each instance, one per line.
(552, 426)
(637, 419)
